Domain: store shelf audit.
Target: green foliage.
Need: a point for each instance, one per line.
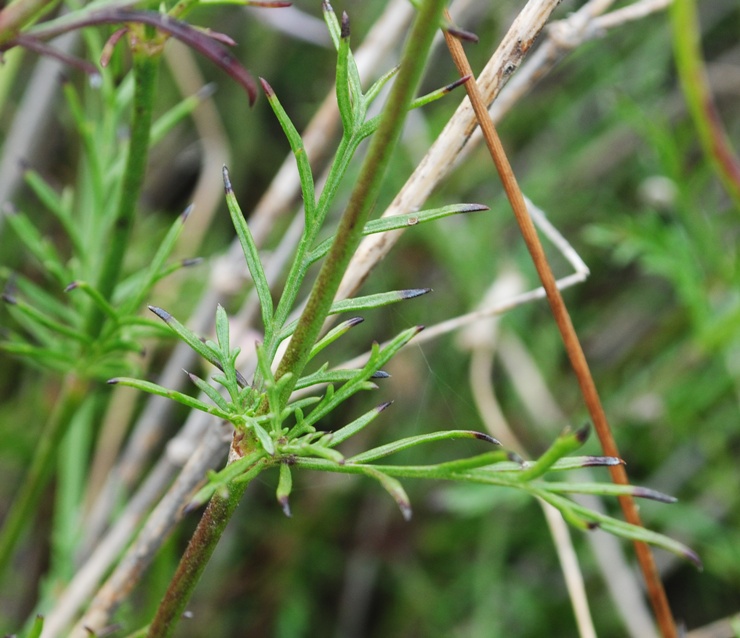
(75, 315)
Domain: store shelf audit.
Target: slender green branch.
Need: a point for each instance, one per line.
(363, 196)
(712, 135)
(145, 76)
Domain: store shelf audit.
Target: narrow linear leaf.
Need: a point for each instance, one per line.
(153, 388)
(27, 315)
(332, 23)
(188, 336)
(168, 120)
(566, 443)
(50, 357)
(152, 272)
(39, 298)
(371, 125)
(342, 434)
(378, 85)
(38, 246)
(412, 441)
(396, 222)
(305, 173)
(608, 489)
(334, 376)
(251, 254)
(366, 302)
(335, 333)
(263, 437)
(624, 529)
(320, 451)
(343, 87)
(98, 299)
(211, 392)
(222, 331)
(378, 358)
(394, 488)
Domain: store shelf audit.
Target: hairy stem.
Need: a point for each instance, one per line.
(364, 195)
(200, 548)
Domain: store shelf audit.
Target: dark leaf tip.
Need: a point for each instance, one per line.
(207, 91)
(380, 374)
(162, 314)
(186, 213)
(9, 299)
(459, 82)
(462, 34)
(485, 437)
(354, 321)
(583, 432)
(654, 495)
(269, 92)
(227, 180)
(71, 287)
(345, 25)
(113, 381)
(414, 292)
(285, 505)
(406, 511)
(383, 406)
(515, 458)
(474, 208)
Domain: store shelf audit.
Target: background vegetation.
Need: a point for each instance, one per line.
(605, 145)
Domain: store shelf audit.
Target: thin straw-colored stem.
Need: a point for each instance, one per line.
(573, 347)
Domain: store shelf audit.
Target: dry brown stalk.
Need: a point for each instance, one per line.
(573, 347)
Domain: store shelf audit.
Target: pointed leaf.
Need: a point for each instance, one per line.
(188, 336)
(365, 303)
(342, 434)
(152, 272)
(153, 388)
(211, 392)
(396, 222)
(251, 254)
(334, 376)
(394, 488)
(412, 441)
(305, 173)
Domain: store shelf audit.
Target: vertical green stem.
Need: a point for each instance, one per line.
(73, 393)
(220, 509)
(697, 92)
(146, 64)
(364, 195)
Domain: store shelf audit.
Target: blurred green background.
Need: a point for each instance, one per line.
(605, 146)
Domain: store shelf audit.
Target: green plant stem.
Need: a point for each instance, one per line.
(363, 197)
(200, 548)
(145, 68)
(72, 394)
(689, 64)
(220, 509)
